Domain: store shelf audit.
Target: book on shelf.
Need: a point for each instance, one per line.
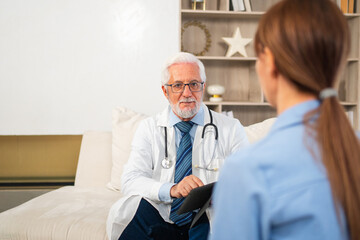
(356, 6)
(238, 5)
(247, 5)
(241, 5)
(351, 6)
(338, 2)
(344, 6)
(347, 6)
(235, 5)
(231, 7)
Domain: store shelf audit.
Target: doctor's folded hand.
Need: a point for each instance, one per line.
(183, 188)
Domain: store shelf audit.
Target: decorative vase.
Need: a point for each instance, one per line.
(215, 91)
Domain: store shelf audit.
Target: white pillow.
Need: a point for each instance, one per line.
(94, 165)
(259, 130)
(124, 125)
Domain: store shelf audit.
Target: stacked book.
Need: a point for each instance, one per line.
(347, 6)
(241, 5)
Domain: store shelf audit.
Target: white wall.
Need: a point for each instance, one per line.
(65, 64)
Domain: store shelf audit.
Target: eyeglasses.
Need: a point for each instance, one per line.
(179, 87)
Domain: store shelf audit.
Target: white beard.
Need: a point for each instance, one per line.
(185, 113)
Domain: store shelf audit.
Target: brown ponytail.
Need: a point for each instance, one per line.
(310, 43)
(340, 151)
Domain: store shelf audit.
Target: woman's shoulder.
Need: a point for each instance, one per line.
(276, 153)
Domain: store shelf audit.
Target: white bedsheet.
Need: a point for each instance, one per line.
(68, 213)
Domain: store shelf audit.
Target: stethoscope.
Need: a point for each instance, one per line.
(167, 163)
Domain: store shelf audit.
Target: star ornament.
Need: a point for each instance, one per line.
(236, 44)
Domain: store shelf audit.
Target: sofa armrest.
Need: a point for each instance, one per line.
(94, 166)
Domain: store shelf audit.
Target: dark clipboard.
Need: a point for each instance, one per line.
(198, 198)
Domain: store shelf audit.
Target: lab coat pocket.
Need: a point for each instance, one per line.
(212, 169)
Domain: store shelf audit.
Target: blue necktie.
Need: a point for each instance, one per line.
(183, 168)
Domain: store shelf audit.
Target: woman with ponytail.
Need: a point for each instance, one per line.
(302, 181)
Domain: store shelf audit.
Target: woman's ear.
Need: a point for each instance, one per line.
(270, 62)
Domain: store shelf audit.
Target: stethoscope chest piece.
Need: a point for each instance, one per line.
(166, 163)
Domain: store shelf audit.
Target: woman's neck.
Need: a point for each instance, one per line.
(288, 96)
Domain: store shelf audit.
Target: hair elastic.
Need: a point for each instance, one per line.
(327, 93)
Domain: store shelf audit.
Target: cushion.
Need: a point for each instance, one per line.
(259, 130)
(94, 165)
(124, 125)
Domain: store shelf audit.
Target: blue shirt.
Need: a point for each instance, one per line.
(276, 189)
(198, 119)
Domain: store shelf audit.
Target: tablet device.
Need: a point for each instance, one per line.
(197, 198)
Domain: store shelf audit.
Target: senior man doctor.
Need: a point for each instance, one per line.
(173, 153)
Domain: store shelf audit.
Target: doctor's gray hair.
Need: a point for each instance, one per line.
(182, 57)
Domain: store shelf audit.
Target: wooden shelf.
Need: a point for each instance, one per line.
(219, 14)
(231, 14)
(243, 95)
(219, 58)
(349, 104)
(254, 104)
(250, 59)
(352, 15)
(234, 14)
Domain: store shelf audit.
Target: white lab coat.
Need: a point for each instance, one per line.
(144, 175)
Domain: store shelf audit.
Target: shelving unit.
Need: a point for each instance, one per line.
(243, 95)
